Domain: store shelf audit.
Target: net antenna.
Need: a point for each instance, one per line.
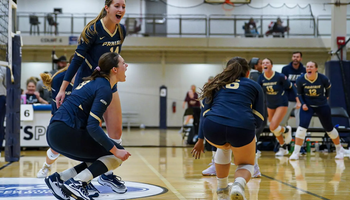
(6, 34)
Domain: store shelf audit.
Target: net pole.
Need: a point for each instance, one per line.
(9, 39)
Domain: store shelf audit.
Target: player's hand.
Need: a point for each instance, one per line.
(198, 149)
(298, 105)
(305, 108)
(122, 154)
(59, 98)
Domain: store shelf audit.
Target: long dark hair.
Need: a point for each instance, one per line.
(235, 68)
(106, 62)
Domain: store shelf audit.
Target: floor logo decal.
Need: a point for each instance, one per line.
(35, 188)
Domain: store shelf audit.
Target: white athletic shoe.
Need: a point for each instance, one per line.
(237, 192)
(282, 152)
(294, 156)
(288, 135)
(42, 173)
(346, 151)
(210, 171)
(340, 155)
(223, 193)
(257, 173)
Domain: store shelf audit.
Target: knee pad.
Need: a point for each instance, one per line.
(223, 156)
(250, 168)
(301, 133)
(277, 131)
(51, 155)
(333, 134)
(110, 161)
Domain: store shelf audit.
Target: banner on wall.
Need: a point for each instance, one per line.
(46, 40)
(73, 40)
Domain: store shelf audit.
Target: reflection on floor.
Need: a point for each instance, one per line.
(314, 176)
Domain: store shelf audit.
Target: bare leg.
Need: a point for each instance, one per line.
(113, 118)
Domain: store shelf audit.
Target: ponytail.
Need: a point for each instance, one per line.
(236, 68)
(87, 31)
(47, 79)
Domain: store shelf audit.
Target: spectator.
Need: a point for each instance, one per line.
(193, 103)
(277, 29)
(33, 96)
(250, 29)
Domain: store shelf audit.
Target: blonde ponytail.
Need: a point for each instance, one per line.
(87, 31)
(47, 79)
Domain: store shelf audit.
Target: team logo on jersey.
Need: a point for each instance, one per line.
(35, 188)
(293, 77)
(111, 43)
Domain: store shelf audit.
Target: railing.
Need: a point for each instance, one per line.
(179, 25)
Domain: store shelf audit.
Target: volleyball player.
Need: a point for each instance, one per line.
(232, 109)
(313, 92)
(78, 119)
(102, 34)
(53, 84)
(274, 86)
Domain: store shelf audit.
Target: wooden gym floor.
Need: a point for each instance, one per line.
(161, 158)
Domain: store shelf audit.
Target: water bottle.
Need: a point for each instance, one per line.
(317, 146)
(308, 145)
(292, 143)
(23, 99)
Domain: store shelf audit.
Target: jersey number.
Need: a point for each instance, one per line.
(234, 85)
(269, 88)
(81, 85)
(116, 49)
(313, 92)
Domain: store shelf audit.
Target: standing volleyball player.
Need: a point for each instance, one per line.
(232, 109)
(313, 92)
(274, 85)
(78, 119)
(101, 35)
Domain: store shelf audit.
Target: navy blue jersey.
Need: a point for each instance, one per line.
(55, 88)
(292, 75)
(239, 104)
(87, 54)
(313, 93)
(274, 88)
(85, 107)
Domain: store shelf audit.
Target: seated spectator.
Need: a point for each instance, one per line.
(250, 29)
(277, 29)
(33, 96)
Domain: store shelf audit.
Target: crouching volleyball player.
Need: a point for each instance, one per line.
(313, 92)
(74, 131)
(232, 109)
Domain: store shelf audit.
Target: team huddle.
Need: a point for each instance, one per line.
(234, 111)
